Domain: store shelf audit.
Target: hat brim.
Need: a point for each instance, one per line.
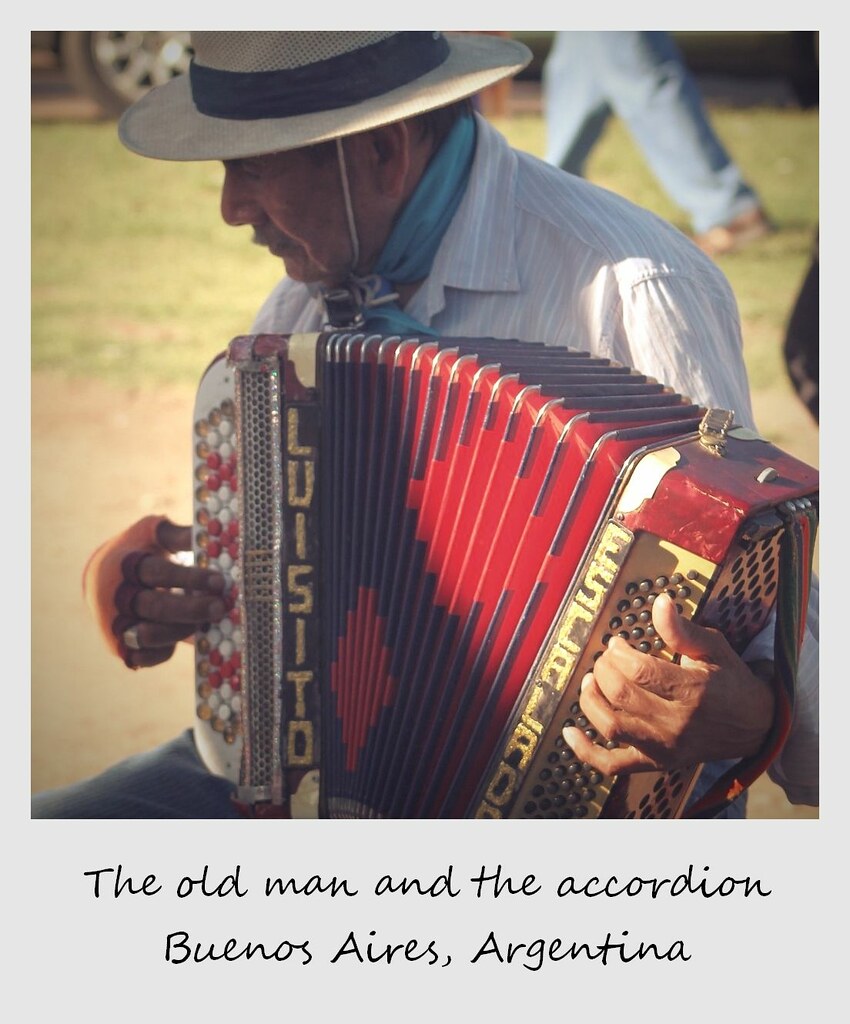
(165, 123)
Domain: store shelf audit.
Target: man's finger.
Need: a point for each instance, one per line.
(154, 571)
(159, 634)
(681, 635)
(629, 719)
(149, 657)
(189, 609)
(609, 762)
(174, 538)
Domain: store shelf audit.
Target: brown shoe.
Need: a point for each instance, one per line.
(731, 237)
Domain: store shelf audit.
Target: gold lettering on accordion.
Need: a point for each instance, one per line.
(556, 668)
(300, 491)
(299, 680)
(302, 591)
(293, 444)
(300, 535)
(299, 743)
(300, 641)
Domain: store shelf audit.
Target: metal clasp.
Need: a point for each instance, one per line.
(343, 309)
(714, 429)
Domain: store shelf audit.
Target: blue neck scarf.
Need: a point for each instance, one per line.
(371, 302)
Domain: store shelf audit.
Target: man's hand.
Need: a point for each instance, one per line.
(171, 600)
(665, 715)
(144, 600)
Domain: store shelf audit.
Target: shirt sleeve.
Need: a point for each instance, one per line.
(685, 331)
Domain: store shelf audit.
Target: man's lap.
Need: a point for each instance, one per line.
(168, 782)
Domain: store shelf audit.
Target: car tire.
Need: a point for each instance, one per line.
(117, 68)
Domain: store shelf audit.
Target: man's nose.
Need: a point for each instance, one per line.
(238, 205)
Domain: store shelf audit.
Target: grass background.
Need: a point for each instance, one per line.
(137, 283)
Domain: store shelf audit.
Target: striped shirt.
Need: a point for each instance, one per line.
(537, 254)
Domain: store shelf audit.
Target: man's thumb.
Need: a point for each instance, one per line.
(680, 635)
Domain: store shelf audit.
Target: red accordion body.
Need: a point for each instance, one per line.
(428, 543)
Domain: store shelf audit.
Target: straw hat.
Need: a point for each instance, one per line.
(249, 93)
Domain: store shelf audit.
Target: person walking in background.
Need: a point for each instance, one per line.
(642, 78)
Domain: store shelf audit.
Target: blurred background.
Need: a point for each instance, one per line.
(137, 284)
(105, 71)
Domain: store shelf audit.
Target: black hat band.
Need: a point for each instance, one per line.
(339, 81)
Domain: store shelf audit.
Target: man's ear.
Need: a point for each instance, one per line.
(389, 158)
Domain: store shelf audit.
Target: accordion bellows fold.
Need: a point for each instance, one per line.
(427, 543)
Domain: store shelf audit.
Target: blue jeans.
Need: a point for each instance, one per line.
(641, 77)
(172, 782)
(168, 782)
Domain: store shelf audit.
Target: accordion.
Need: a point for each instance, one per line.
(428, 542)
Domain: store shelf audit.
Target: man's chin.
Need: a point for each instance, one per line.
(312, 277)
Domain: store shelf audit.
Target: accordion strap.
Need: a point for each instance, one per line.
(796, 555)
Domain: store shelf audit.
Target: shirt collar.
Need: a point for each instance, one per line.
(478, 251)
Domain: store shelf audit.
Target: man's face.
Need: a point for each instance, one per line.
(294, 202)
